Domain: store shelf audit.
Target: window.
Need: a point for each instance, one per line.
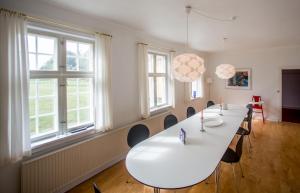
(61, 90)
(196, 89)
(158, 80)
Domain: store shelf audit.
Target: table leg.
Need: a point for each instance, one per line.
(156, 190)
(217, 178)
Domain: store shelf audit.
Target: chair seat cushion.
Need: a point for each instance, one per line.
(242, 131)
(230, 156)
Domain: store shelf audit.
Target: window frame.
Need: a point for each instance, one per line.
(155, 74)
(61, 75)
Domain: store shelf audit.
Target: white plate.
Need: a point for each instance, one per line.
(213, 122)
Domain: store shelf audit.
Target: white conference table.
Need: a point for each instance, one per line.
(163, 162)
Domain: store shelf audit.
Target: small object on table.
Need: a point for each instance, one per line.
(202, 122)
(221, 108)
(182, 135)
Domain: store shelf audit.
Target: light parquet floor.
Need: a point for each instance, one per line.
(273, 166)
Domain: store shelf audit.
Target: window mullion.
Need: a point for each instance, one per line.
(62, 88)
(154, 80)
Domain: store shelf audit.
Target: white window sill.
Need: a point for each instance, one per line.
(159, 110)
(196, 98)
(59, 141)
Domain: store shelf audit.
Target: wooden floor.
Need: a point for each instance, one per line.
(273, 166)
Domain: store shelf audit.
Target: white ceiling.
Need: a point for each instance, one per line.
(260, 23)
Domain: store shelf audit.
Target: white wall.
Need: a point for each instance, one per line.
(266, 65)
(124, 77)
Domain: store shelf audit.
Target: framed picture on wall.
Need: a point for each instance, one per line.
(241, 80)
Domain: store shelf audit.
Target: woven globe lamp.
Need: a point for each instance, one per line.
(187, 67)
(225, 71)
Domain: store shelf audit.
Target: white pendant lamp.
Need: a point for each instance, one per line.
(225, 71)
(187, 67)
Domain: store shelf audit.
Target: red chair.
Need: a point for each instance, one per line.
(258, 108)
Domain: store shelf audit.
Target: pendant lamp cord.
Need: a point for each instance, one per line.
(187, 31)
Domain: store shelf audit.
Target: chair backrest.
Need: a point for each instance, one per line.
(250, 121)
(210, 103)
(137, 134)
(169, 121)
(96, 189)
(256, 99)
(190, 111)
(239, 147)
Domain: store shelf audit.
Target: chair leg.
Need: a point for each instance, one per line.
(241, 170)
(262, 112)
(248, 136)
(236, 186)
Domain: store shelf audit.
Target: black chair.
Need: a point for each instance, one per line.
(169, 121)
(96, 189)
(250, 111)
(190, 111)
(137, 134)
(247, 132)
(231, 156)
(210, 103)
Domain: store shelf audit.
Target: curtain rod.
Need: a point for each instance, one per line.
(157, 47)
(49, 21)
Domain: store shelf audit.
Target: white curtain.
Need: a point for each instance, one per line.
(143, 79)
(14, 78)
(171, 82)
(103, 83)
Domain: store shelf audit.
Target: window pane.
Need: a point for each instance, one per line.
(32, 61)
(46, 105)
(32, 88)
(71, 63)
(85, 50)
(79, 101)
(150, 63)
(84, 100)
(84, 85)
(72, 101)
(46, 62)
(84, 64)
(32, 107)
(84, 116)
(79, 56)
(161, 64)
(71, 48)
(32, 126)
(46, 45)
(43, 110)
(47, 87)
(161, 90)
(151, 92)
(194, 89)
(72, 118)
(72, 86)
(46, 124)
(31, 43)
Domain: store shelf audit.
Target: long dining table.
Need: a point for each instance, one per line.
(164, 162)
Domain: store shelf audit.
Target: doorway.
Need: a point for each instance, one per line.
(291, 95)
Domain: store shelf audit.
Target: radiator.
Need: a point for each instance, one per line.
(63, 169)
